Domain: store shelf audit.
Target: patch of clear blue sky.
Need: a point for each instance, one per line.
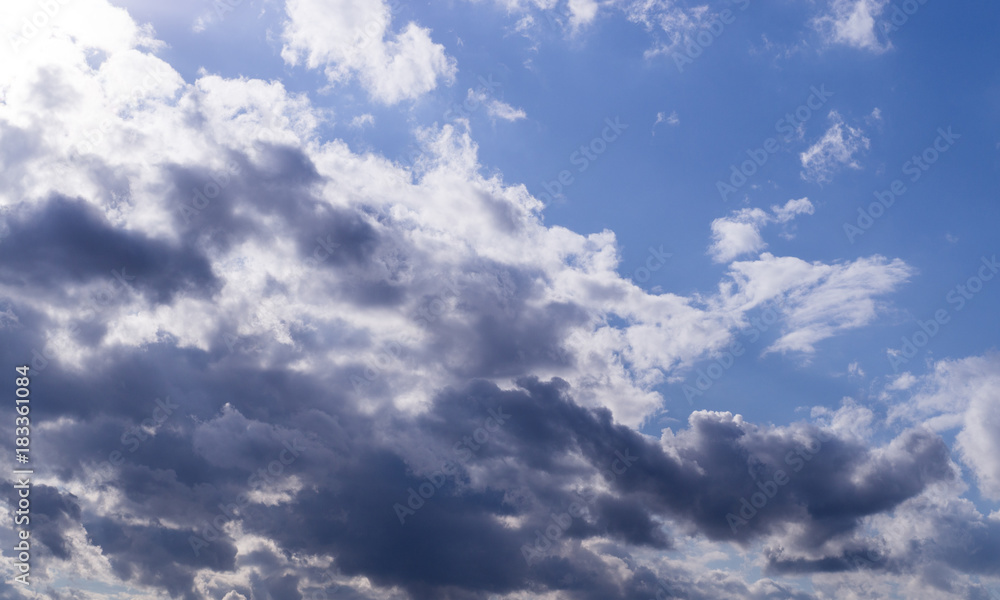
(654, 190)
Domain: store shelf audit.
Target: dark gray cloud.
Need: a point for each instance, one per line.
(299, 456)
(232, 420)
(156, 556)
(67, 241)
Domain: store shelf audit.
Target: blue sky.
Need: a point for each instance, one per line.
(417, 213)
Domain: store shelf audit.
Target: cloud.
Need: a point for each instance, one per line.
(81, 243)
(834, 150)
(676, 24)
(853, 23)
(670, 24)
(332, 328)
(960, 394)
(739, 233)
(353, 38)
(661, 117)
(791, 209)
(496, 109)
(582, 12)
(362, 121)
(817, 301)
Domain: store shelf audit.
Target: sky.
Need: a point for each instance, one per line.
(500, 299)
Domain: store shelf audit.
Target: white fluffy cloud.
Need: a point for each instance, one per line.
(853, 23)
(354, 38)
(739, 233)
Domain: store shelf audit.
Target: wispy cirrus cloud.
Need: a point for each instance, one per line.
(835, 150)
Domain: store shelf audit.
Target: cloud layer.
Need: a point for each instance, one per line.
(276, 366)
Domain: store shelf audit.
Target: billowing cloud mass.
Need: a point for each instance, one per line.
(961, 395)
(270, 364)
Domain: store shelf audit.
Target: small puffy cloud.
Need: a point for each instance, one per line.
(352, 38)
(853, 23)
(502, 110)
(582, 12)
(903, 382)
(496, 109)
(791, 209)
(361, 121)
(834, 150)
(739, 233)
